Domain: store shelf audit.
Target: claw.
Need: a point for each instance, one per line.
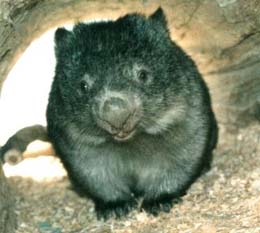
(118, 210)
(165, 205)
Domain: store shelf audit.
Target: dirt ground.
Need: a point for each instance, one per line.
(227, 199)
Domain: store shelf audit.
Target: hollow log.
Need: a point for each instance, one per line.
(7, 214)
(222, 36)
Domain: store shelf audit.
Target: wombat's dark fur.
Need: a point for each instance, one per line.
(129, 114)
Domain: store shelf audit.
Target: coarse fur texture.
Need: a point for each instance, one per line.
(129, 114)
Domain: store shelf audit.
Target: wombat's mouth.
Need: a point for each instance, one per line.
(124, 136)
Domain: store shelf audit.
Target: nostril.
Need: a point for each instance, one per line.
(114, 104)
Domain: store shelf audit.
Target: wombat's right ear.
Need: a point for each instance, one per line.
(63, 40)
(159, 18)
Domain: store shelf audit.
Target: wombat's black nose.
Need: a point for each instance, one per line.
(116, 111)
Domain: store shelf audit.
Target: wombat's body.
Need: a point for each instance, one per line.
(129, 114)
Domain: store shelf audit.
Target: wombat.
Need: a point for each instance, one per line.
(129, 114)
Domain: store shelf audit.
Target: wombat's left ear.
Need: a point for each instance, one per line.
(63, 40)
(159, 18)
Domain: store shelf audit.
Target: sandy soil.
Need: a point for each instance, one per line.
(227, 199)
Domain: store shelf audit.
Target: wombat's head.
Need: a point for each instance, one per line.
(120, 78)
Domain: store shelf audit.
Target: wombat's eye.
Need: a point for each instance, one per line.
(143, 76)
(84, 86)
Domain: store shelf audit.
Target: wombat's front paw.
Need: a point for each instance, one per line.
(105, 211)
(156, 206)
(151, 207)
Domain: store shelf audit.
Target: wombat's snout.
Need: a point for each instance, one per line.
(117, 113)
